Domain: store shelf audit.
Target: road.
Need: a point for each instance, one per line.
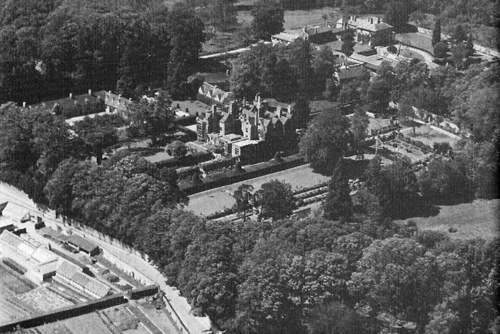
(427, 56)
(210, 201)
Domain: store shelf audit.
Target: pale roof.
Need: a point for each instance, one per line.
(75, 274)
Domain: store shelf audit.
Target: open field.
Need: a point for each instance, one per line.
(218, 199)
(416, 40)
(429, 136)
(472, 220)
(88, 323)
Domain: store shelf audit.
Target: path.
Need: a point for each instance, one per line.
(427, 56)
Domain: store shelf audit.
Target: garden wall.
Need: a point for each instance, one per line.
(64, 313)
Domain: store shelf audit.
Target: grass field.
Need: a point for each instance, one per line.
(471, 220)
(417, 40)
(429, 136)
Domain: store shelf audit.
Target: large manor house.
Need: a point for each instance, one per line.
(247, 130)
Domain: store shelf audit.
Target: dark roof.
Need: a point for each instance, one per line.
(83, 243)
(70, 103)
(2, 206)
(351, 72)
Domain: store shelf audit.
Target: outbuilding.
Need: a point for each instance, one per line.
(83, 245)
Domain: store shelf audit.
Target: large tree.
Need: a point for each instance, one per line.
(268, 19)
(243, 197)
(186, 38)
(436, 32)
(396, 280)
(276, 200)
(348, 43)
(397, 14)
(326, 140)
(151, 118)
(338, 202)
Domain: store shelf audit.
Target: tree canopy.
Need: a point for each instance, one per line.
(326, 140)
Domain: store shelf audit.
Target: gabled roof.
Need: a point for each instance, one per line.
(374, 26)
(83, 243)
(75, 274)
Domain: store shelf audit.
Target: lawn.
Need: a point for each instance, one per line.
(417, 40)
(429, 136)
(218, 199)
(299, 18)
(471, 220)
(377, 123)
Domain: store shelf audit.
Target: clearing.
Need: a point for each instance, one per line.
(471, 220)
(429, 136)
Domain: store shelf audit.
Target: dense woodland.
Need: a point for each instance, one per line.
(350, 268)
(51, 47)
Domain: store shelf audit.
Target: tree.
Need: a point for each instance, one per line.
(348, 43)
(276, 200)
(459, 56)
(469, 46)
(359, 127)
(177, 149)
(436, 33)
(97, 135)
(441, 50)
(59, 188)
(397, 15)
(325, 141)
(301, 112)
(459, 35)
(243, 196)
(396, 280)
(268, 19)
(444, 182)
(333, 318)
(378, 95)
(338, 202)
(323, 65)
(153, 118)
(186, 38)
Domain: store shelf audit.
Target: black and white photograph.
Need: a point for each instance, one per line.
(249, 166)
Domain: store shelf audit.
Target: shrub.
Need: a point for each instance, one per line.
(112, 278)
(392, 49)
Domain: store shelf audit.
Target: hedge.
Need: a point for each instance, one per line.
(250, 172)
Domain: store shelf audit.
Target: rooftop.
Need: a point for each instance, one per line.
(83, 243)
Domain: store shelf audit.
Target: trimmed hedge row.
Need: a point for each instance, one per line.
(188, 160)
(249, 172)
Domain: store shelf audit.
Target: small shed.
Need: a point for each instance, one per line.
(83, 245)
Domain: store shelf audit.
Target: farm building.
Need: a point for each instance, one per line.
(39, 262)
(83, 245)
(74, 276)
